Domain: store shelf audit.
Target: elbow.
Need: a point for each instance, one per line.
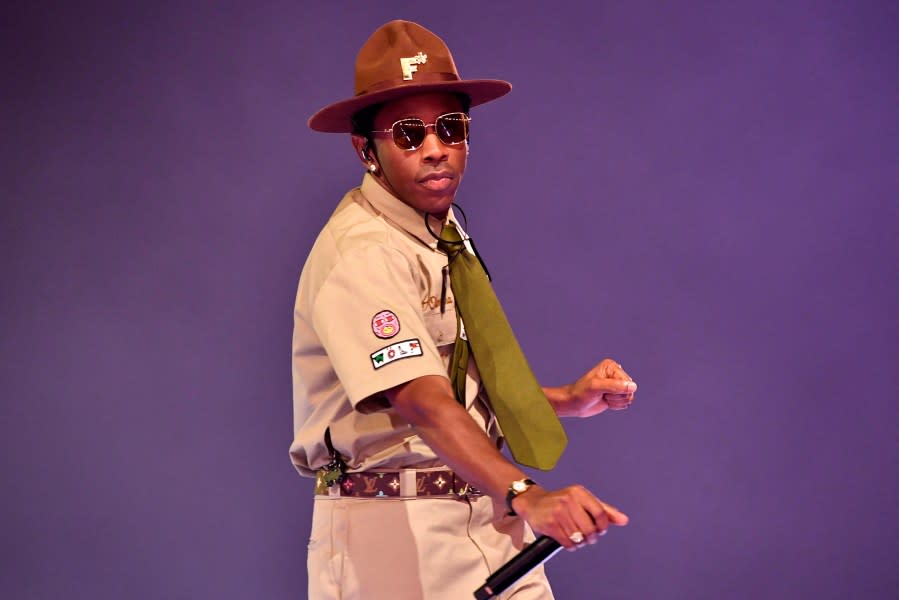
(424, 401)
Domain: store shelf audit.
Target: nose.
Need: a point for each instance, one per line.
(432, 149)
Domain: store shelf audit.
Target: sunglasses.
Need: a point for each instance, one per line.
(409, 134)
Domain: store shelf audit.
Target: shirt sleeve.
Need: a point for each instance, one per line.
(368, 317)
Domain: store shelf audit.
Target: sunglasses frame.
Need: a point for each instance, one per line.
(392, 133)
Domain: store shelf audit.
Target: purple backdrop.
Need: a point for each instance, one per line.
(705, 192)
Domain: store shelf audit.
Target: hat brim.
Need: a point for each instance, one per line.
(336, 118)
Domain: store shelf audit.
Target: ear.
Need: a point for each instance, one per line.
(363, 150)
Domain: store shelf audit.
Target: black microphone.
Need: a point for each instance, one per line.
(541, 550)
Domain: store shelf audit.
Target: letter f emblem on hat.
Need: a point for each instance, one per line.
(408, 64)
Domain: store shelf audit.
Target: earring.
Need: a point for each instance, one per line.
(372, 168)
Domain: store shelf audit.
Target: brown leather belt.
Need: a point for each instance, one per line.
(404, 483)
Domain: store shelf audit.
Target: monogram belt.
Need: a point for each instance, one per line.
(404, 483)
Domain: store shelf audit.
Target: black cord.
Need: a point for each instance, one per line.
(467, 239)
(440, 239)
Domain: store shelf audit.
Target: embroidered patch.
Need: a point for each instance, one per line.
(388, 354)
(408, 64)
(385, 324)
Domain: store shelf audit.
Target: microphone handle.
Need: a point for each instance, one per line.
(541, 550)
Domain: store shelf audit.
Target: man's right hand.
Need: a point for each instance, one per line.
(561, 514)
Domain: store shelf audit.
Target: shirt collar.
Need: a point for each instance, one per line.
(401, 214)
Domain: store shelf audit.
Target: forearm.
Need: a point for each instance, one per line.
(441, 422)
(558, 398)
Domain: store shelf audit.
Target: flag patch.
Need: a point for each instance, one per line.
(388, 354)
(385, 324)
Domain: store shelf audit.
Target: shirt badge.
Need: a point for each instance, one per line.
(388, 354)
(385, 324)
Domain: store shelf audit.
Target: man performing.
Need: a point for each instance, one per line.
(407, 380)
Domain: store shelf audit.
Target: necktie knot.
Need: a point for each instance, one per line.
(450, 241)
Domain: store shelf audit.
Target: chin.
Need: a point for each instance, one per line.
(432, 203)
(441, 206)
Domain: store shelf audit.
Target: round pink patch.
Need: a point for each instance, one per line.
(385, 324)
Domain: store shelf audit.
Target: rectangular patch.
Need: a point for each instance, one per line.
(388, 354)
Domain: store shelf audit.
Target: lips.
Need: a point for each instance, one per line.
(436, 176)
(438, 182)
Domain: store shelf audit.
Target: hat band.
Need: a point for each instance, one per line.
(419, 78)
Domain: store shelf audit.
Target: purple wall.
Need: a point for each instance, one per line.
(707, 193)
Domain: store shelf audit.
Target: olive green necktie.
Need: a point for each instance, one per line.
(531, 428)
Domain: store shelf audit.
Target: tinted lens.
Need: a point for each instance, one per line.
(409, 133)
(452, 128)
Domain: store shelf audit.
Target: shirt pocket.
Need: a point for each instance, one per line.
(442, 328)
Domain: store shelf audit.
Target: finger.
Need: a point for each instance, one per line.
(589, 525)
(586, 527)
(577, 517)
(568, 529)
(618, 401)
(572, 538)
(597, 514)
(592, 518)
(615, 386)
(615, 370)
(622, 374)
(554, 529)
(615, 516)
(577, 540)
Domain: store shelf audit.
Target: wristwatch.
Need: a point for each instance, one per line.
(517, 487)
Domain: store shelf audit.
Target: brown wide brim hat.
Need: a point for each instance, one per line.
(401, 59)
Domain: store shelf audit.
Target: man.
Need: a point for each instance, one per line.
(413, 497)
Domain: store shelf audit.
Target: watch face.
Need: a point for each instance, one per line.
(519, 486)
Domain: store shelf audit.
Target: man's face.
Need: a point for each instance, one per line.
(425, 178)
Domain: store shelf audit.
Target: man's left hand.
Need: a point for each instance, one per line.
(607, 385)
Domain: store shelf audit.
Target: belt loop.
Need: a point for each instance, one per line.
(408, 489)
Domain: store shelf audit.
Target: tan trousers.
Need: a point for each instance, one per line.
(414, 549)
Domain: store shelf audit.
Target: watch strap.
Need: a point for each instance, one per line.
(512, 493)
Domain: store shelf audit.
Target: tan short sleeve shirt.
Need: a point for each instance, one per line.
(368, 317)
